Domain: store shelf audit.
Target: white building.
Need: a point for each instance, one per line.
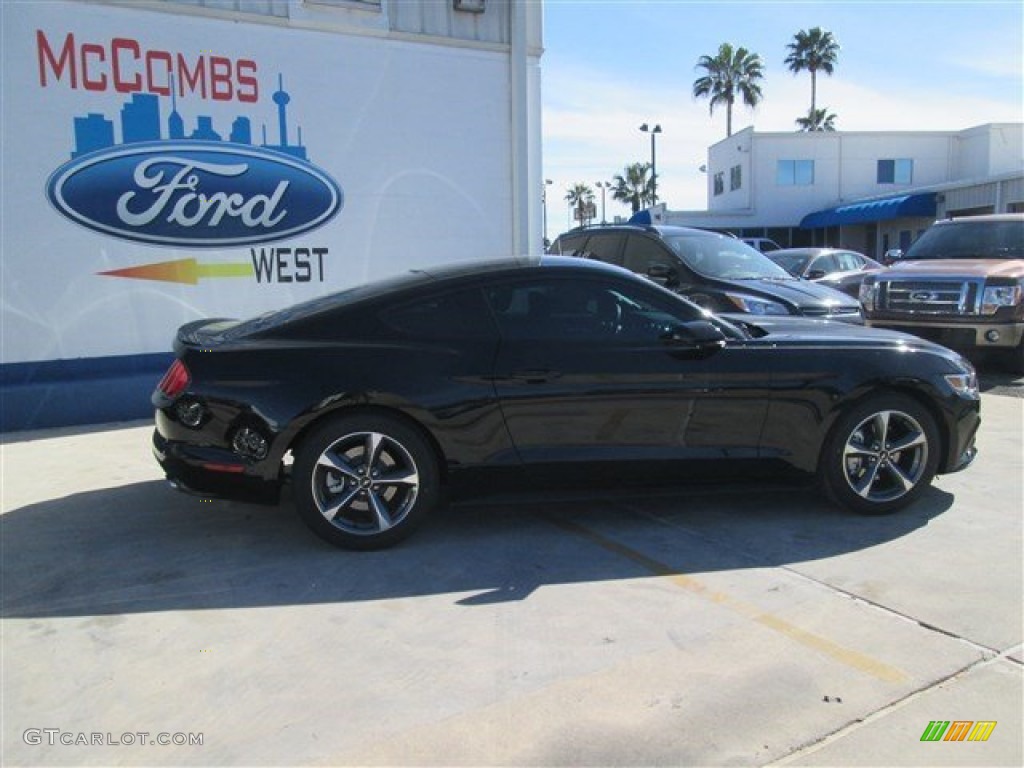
(869, 191)
(167, 160)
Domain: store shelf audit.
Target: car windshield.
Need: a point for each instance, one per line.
(724, 258)
(793, 263)
(970, 240)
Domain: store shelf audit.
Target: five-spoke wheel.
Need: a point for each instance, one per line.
(881, 455)
(364, 481)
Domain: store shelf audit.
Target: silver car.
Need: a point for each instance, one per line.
(837, 268)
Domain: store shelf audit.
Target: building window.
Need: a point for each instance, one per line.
(794, 173)
(719, 183)
(354, 3)
(278, 8)
(900, 171)
(735, 177)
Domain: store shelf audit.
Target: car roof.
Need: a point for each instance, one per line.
(983, 217)
(658, 229)
(412, 282)
(456, 270)
(674, 230)
(810, 251)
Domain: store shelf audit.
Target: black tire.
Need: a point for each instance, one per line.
(881, 455)
(361, 503)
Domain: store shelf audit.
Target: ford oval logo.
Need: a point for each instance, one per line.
(922, 296)
(194, 194)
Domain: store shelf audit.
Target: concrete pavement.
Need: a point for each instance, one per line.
(744, 625)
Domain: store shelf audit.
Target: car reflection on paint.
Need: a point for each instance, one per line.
(388, 393)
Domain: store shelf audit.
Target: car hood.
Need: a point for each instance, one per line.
(797, 292)
(811, 330)
(853, 274)
(961, 267)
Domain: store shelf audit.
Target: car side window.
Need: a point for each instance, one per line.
(606, 247)
(457, 315)
(826, 264)
(643, 253)
(571, 245)
(583, 310)
(849, 262)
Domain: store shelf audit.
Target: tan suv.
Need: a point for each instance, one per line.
(960, 284)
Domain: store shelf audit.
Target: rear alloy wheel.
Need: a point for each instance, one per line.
(881, 455)
(365, 481)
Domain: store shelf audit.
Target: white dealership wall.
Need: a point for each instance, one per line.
(433, 141)
(975, 170)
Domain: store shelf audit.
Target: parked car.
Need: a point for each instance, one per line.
(384, 393)
(716, 271)
(837, 268)
(762, 244)
(961, 284)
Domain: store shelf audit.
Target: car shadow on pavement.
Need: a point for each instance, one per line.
(144, 547)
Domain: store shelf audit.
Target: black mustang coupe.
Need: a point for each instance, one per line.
(373, 400)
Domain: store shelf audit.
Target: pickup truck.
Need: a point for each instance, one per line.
(961, 284)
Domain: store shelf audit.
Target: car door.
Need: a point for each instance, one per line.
(587, 370)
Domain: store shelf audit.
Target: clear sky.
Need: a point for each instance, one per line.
(610, 65)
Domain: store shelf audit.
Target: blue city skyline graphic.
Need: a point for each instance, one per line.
(140, 122)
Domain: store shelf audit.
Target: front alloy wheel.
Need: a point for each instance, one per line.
(364, 482)
(881, 455)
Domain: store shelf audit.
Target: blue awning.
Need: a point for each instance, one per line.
(922, 204)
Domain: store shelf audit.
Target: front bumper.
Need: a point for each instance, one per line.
(852, 318)
(963, 431)
(211, 472)
(958, 335)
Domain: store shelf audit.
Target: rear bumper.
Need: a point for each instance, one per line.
(211, 472)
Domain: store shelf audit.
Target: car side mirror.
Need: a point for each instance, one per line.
(892, 256)
(698, 335)
(663, 275)
(815, 274)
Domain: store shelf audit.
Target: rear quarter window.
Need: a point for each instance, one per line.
(458, 315)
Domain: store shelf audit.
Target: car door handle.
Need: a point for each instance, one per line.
(534, 376)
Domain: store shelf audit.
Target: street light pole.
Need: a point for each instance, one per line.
(604, 186)
(544, 200)
(654, 167)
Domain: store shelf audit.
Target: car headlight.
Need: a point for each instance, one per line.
(997, 296)
(965, 383)
(866, 295)
(756, 306)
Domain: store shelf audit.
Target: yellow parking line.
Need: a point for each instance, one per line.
(847, 656)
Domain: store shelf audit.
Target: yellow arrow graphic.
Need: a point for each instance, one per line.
(182, 271)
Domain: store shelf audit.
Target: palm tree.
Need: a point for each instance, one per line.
(813, 50)
(635, 187)
(580, 196)
(730, 74)
(817, 120)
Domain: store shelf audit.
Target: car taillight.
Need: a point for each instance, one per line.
(175, 380)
